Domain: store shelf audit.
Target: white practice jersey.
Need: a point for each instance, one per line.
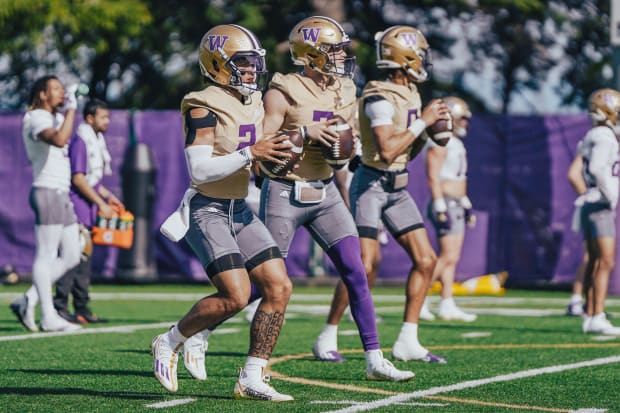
(454, 167)
(50, 165)
(600, 162)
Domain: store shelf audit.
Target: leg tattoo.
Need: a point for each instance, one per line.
(264, 333)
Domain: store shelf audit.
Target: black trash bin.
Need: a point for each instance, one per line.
(139, 171)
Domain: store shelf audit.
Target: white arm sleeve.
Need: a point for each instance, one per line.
(380, 112)
(601, 166)
(203, 167)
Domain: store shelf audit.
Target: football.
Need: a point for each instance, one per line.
(275, 170)
(441, 131)
(344, 148)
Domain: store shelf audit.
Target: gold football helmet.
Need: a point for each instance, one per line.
(460, 114)
(227, 52)
(404, 47)
(604, 107)
(321, 43)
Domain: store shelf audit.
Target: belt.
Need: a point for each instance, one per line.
(384, 172)
(292, 182)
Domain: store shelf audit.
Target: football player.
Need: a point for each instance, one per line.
(392, 125)
(598, 213)
(450, 208)
(308, 196)
(46, 133)
(223, 125)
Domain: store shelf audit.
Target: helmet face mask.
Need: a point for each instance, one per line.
(406, 48)
(322, 44)
(604, 108)
(229, 52)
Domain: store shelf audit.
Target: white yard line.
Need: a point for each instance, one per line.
(401, 398)
(170, 403)
(130, 328)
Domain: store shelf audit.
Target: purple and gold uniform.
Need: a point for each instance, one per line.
(373, 193)
(223, 231)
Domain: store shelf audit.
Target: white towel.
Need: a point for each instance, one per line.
(176, 225)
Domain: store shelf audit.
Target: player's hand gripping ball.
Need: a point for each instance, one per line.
(276, 170)
(343, 149)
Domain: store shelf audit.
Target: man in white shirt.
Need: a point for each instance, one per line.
(46, 133)
(598, 206)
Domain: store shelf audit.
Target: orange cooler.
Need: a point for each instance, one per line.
(114, 232)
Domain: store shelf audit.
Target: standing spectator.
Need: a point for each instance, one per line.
(392, 123)
(90, 160)
(46, 133)
(450, 208)
(575, 177)
(598, 210)
(222, 123)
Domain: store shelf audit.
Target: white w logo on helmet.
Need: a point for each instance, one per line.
(216, 42)
(410, 39)
(311, 33)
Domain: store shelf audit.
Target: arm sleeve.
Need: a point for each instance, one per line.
(379, 111)
(203, 167)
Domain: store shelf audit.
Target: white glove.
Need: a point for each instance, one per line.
(440, 206)
(592, 195)
(465, 202)
(70, 97)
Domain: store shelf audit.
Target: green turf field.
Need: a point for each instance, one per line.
(521, 355)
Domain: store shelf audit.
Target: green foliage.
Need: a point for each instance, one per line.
(142, 53)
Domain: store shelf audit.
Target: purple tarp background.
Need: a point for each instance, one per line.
(517, 182)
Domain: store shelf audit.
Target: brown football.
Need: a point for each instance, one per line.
(344, 148)
(275, 170)
(441, 131)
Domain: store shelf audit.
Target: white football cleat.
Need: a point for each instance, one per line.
(585, 325)
(326, 350)
(385, 371)
(599, 324)
(24, 313)
(194, 350)
(257, 389)
(58, 323)
(454, 313)
(425, 312)
(407, 352)
(165, 362)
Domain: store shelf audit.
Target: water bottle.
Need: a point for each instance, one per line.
(82, 90)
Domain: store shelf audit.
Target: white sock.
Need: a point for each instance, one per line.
(575, 299)
(254, 368)
(329, 335)
(175, 337)
(374, 357)
(409, 334)
(33, 296)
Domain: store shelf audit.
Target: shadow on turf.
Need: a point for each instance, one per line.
(209, 354)
(36, 391)
(87, 372)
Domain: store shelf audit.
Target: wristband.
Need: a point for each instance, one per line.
(247, 154)
(417, 127)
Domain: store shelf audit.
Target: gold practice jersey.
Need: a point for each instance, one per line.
(310, 104)
(407, 108)
(238, 125)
